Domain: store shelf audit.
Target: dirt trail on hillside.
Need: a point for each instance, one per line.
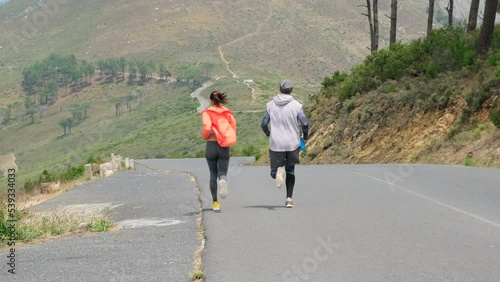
(8, 162)
(257, 31)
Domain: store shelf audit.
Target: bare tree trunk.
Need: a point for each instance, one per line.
(450, 13)
(430, 18)
(490, 12)
(394, 19)
(373, 22)
(474, 9)
(369, 16)
(375, 26)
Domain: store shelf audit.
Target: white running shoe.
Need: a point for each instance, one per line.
(223, 188)
(280, 177)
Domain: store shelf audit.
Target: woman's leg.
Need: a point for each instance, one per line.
(223, 162)
(223, 165)
(211, 156)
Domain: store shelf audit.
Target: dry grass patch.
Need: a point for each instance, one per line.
(31, 226)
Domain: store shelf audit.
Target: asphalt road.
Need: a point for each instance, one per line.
(204, 103)
(350, 223)
(156, 240)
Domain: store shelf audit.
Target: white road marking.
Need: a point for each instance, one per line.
(143, 222)
(461, 211)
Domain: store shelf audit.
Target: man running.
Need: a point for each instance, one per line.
(284, 113)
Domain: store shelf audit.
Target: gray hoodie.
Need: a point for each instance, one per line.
(284, 113)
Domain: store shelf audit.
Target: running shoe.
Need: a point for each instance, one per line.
(216, 206)
(280, 177)
(223, 188)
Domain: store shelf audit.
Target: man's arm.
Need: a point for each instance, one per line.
(303, 121)
(265, 123)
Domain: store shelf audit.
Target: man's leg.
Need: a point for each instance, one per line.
(290, 180)
(292, 158)
(277, 162)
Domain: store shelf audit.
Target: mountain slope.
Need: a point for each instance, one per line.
(260, 39)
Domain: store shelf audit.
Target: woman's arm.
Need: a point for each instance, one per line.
(207, 125)
(232, 122)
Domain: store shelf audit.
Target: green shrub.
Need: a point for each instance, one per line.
(349, 105)
(495, 117)
(494, 83)
(347, 90)
(160, 156)
(4, 231)
(333, 81)
(449, 49)
(390, 88)
(494, 59)
(251, 150)
(29, 185)
(200, 154)
(495, 42)
(197, 275)
(463, 54)
(431, 71)
(47, 177)
(455, 129)
(469, 161)
(476, 98)
(99, 225)
(483, 126)
(477, 133)
(359, 81)
(72, 173)
(387, 63)
(94, 160)
(314, 152)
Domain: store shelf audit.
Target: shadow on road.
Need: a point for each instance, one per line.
(271, 208)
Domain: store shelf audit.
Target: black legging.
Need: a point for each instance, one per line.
(290, 178)
(218, 163)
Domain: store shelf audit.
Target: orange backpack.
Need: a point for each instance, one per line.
(223, 124)
(224, 132)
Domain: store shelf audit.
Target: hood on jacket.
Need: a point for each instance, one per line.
(282, 99)
(218, 109)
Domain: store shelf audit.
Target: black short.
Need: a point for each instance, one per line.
(279, 159)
